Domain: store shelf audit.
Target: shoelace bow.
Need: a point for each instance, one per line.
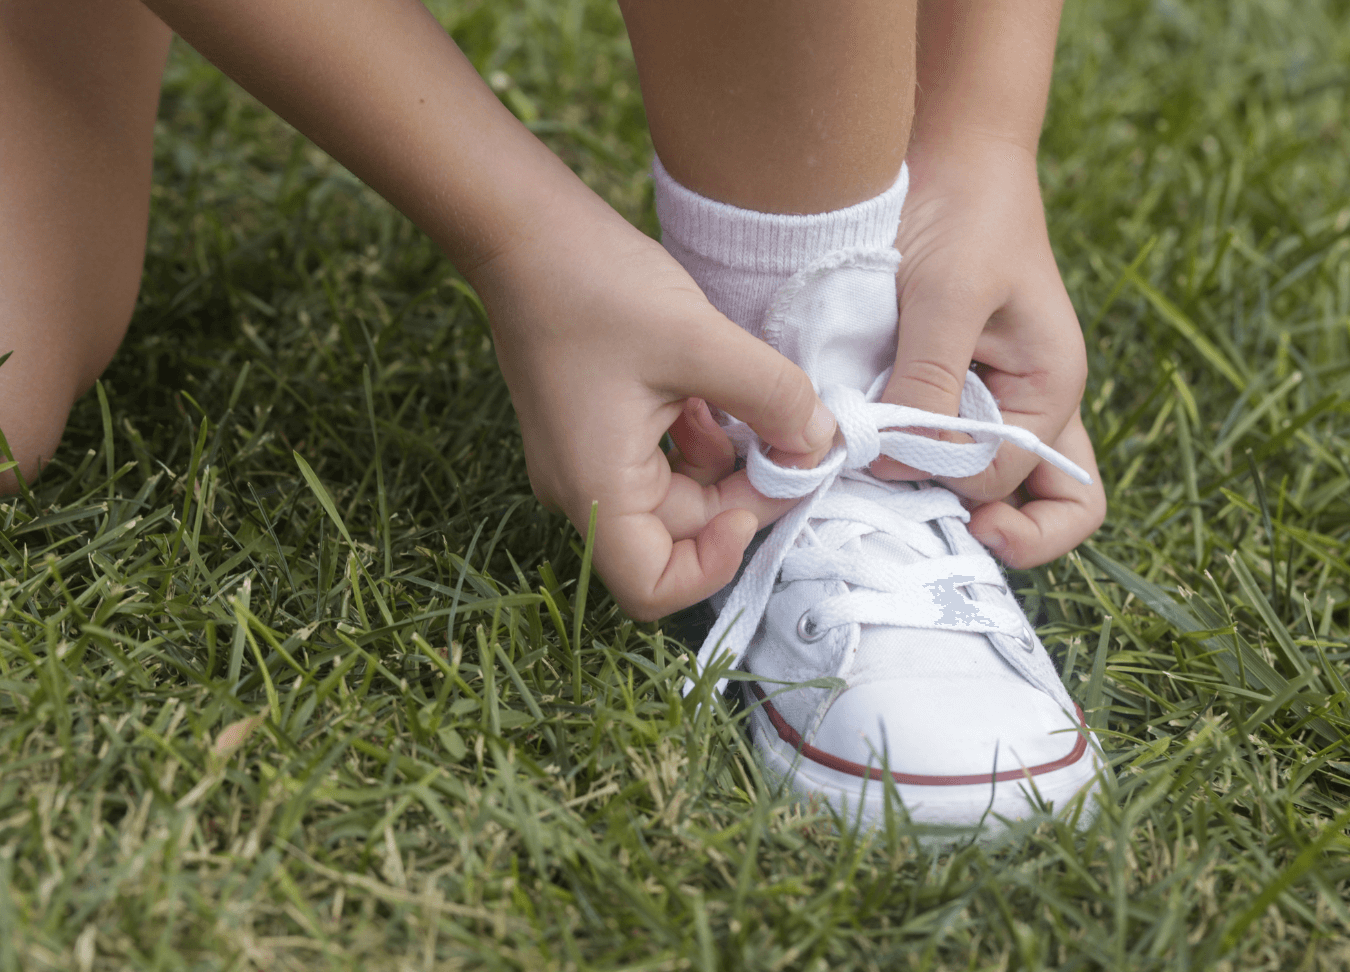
(869, 430)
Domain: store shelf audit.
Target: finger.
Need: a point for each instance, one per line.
(650, 575)
(689, 507)
(884, 467)
(1061, 514)
(717, 361)
(701, 567)
(938, 331)
(1036, 373)
(702, 450)
(660, 561)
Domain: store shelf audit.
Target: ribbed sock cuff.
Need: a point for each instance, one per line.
(743, 239)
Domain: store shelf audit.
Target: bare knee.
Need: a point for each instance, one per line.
(78, 88)
(51, 362)
(33, 433)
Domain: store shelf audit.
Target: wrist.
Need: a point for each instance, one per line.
(567, 241)
(969, 155)
(532, 223)
(951, 127)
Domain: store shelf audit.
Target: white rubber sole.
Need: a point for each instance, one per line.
(988, 805)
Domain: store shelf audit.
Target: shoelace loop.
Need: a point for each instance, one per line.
(869, 429)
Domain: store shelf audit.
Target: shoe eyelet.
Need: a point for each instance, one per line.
(807, 631)
(1026, 638)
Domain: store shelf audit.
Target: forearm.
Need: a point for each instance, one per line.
(984, 71)
(380, 86)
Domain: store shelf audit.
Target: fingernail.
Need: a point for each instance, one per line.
(820, 430)
(992, 541)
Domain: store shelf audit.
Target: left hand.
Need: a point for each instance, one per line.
(978, 284)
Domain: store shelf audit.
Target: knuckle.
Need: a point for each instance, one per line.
(643, 606)
(1076, 375)
(983, 488)
(1095, 512)
(922, 381)
(1001, 480)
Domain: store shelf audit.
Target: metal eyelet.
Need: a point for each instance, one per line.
(807, 631)
(1026, 639)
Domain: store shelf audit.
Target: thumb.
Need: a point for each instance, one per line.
(741, 374)
(936, 342)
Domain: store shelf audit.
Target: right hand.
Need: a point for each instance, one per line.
(979, 283)
(606, 344)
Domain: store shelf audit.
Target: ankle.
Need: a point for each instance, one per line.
(740, 258)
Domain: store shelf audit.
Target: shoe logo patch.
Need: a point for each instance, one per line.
(958, 610)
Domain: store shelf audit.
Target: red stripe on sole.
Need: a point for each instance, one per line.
(793, 738)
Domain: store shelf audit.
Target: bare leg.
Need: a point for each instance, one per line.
(79, 86)
(780, 106)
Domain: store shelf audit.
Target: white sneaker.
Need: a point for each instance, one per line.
(919, 663)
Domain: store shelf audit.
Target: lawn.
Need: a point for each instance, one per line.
(295, 674)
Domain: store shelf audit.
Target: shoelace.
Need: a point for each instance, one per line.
(871, 429)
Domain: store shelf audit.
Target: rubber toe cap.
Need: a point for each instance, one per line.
(948, 730)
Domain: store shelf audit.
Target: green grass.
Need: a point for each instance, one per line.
(294, 674)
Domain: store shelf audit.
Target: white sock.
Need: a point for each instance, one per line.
(741, 258)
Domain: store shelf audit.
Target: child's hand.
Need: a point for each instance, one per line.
(604, 340)
(978, 282)
(601, 336)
